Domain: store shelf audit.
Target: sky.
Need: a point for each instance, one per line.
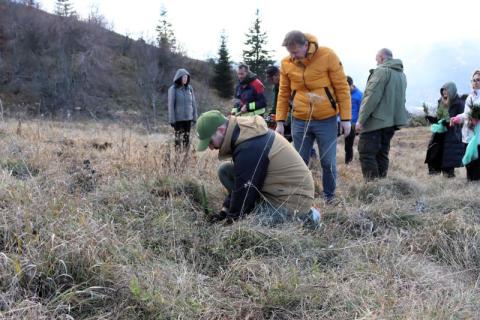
(355, 30)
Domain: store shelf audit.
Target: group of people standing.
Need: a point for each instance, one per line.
(314, 100)
(449, 145)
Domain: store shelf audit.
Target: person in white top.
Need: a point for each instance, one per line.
(473, 168)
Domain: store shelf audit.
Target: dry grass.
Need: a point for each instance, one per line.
(107, 223)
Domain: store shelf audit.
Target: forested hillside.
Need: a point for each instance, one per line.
(65, 67)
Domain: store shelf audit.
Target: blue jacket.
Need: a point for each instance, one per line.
(356, 101)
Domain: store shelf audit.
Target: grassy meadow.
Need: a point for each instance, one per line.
(102, 221)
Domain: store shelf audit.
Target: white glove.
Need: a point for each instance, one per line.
(346, 127)
(280, 129)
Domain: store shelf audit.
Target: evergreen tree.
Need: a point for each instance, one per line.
(256, 56)
(165, 35)
(223, 78)
(63, 8)
(30, 3)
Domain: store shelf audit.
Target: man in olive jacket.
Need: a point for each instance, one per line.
(382, 111)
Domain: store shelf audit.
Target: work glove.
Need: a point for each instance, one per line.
(346, 127)
(456, 120)
(280, 127)
(216, 217)
(358, 128)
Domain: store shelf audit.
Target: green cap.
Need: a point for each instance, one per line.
(207, 124)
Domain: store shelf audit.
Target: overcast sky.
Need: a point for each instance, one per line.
(355, 30)
(349, 27)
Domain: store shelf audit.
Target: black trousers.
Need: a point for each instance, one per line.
(349, 140)
(434, 157)
(473, 169)
(182, 134)
(373, 148)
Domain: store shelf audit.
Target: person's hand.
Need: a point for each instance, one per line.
(228, 222)
(237, 103)
(456, 120)
(346, 127)
(243, 109)
(217, 217)
(358, 127)
(280, 128)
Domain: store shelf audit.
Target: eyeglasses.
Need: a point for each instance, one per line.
(476, 80)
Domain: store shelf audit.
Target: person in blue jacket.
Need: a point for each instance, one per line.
(356, 100)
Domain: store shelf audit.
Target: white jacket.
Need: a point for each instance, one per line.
(467, 133)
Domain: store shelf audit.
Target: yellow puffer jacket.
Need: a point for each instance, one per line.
(318, 83)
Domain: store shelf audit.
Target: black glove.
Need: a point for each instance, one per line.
(216, 217)
(228, 222)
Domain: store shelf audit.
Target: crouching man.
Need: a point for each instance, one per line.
(267, 177)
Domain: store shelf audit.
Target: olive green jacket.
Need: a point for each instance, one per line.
(383, 103)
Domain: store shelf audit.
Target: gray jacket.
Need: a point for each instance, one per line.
(181, 100)
(383, 103)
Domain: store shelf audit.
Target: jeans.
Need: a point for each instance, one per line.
(349, 140)
(325, 133)
(373, 148)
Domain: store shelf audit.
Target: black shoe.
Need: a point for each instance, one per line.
(449, 173)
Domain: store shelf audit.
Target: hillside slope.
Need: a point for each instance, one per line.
(50, 65)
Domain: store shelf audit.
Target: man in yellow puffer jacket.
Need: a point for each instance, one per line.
(312, 77)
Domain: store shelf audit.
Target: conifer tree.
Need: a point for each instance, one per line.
(256, 56)
(63, 8)
(223, 78)
(165, 34)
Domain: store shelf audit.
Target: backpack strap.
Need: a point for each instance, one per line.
(330, 98)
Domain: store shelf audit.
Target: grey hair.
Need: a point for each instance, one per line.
(387, 53)
(294, 37)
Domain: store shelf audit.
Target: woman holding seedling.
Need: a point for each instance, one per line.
(471, 127)
(445, 149)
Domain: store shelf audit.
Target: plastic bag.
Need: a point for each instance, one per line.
(439, 127)
(472, 148)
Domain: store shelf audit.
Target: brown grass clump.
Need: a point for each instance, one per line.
(118, 232)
